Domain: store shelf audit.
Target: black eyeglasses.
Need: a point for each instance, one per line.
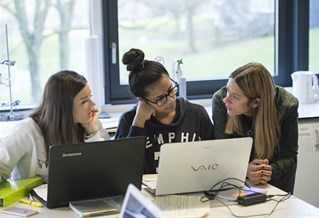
(163, 99)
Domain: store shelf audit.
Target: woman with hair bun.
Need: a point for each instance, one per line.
(159, 114)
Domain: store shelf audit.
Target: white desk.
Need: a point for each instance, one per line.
(306, 111)
(293, 207)
(110, 124)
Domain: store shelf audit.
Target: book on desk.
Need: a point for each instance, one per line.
(96, 207)
(14, 190)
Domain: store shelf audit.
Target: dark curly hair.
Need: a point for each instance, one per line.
(142, 72)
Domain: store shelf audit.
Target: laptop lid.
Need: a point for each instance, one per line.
(94, 170)
(197, 166)
(136, 205)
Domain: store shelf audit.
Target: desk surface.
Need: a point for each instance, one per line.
(293, 207)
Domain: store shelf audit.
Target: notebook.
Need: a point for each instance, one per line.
(97, 206)
(14, 190)
(93, 170)
(136, 205)
(197, 166)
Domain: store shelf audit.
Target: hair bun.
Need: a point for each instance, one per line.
(133, 59)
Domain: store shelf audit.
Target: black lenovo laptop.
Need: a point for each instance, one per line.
(93, 170)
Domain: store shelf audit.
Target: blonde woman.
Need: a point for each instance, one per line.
(252, 105)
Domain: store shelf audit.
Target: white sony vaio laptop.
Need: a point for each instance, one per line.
(197, 166)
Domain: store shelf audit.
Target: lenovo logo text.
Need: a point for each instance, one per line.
(71, 154)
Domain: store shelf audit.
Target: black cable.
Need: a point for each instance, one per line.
(285, 197)
(224, 180)
(212, 193)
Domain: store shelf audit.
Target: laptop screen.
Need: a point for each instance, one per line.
(94, 170)
(197, 166)
(136, 205)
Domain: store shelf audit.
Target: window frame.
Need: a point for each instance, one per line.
(291, 51)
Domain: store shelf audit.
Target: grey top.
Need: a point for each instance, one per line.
(284, 161)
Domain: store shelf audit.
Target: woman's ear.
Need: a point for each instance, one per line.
(256, 102)
(139, 99)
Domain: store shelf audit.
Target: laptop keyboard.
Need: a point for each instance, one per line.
(150, 184)
(150, 180)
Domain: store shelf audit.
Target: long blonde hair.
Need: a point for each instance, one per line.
(255, 81)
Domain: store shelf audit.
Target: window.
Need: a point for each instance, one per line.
(205, 34)
(211, 37)
(314, 36)
(44, 37)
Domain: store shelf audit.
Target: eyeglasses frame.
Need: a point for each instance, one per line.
(166, 95)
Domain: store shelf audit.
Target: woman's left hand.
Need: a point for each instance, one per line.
(266, 172)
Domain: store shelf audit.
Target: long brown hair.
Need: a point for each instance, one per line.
(255, 81)
(54, 115)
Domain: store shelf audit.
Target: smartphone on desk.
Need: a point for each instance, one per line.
(19, 211)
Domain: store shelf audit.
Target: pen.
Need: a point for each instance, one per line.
(30, 202)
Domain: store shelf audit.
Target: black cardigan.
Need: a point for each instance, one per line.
(284, 161)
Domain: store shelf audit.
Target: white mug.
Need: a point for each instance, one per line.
(305, 86)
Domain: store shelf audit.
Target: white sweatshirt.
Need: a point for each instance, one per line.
(22, 153)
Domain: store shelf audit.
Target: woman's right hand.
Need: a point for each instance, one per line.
(144, 112)
(259, 171)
